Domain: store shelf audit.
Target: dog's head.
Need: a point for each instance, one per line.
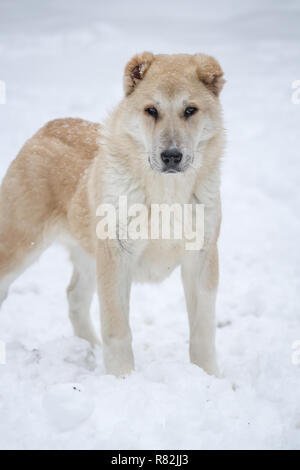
(172, 107)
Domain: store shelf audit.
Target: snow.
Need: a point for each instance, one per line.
(66, 59)
(67, 406)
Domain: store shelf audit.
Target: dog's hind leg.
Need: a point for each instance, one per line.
(26, 219)
(22, 240)
(16, 255)
(4, 286)
(80, 294)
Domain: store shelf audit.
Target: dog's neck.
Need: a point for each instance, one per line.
(168, 188)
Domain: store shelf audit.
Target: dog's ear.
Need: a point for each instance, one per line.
(135, 70)
(210, 73)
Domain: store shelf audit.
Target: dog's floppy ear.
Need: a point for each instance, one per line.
(135, 70)
(210, 73)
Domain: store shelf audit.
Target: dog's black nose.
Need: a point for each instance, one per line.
(171, 158)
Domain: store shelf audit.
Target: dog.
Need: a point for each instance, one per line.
(162, 144)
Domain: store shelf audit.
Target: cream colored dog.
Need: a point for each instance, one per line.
(162, 144)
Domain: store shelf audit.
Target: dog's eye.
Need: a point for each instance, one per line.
(153, 112)
(189, 111)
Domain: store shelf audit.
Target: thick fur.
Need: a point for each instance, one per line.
(61, 175)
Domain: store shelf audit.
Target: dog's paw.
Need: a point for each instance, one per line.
(118, 358)
(206, 361)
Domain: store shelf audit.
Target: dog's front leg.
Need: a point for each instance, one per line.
(114, 283)
(200, 280)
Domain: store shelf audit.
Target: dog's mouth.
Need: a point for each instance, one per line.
(171, 170)
(166, 171)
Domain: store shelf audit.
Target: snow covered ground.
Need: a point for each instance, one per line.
(65, 58)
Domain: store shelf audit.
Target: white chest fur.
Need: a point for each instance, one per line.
(158, 260)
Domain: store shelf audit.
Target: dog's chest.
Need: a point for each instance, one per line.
(165, 246)
(158, 260)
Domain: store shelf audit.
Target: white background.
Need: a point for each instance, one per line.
(65, 58)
